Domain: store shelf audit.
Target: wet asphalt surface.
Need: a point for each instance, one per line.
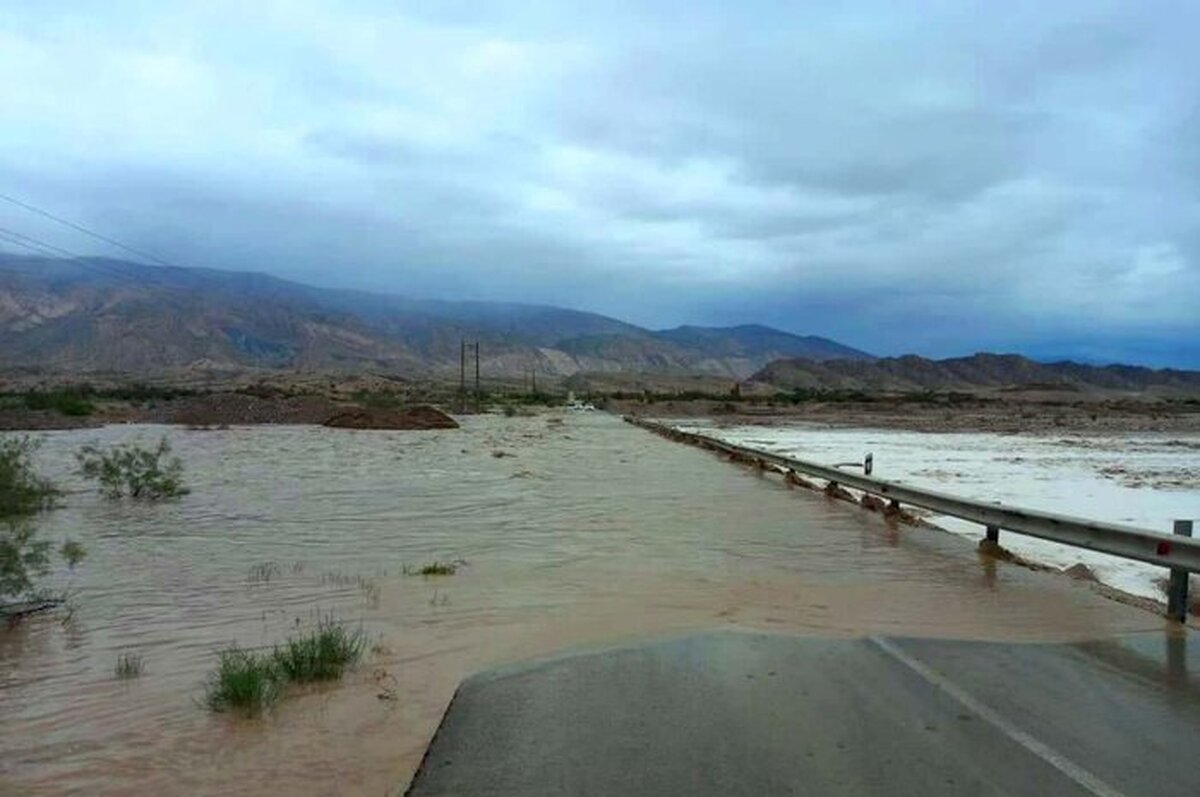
(732, 713)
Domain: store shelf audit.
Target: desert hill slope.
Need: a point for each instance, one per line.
(96, 314)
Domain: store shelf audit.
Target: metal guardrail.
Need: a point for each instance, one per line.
(1179, 553)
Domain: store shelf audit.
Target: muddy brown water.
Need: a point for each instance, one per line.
(592, 533)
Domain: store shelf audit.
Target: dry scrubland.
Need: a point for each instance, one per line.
(379, 402)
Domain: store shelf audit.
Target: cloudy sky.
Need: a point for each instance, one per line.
(935, 177)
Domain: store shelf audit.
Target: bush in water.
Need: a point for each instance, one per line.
(23, 493)
(129, 470)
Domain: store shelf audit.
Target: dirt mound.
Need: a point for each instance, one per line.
(423, 417)
(240, 408)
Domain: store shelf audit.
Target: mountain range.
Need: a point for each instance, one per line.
(990, 371)
(87, 315)
(98, 315)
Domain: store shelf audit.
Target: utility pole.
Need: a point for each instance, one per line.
(462, 375)
(478, 396)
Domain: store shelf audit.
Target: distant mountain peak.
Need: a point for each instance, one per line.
(758, 339)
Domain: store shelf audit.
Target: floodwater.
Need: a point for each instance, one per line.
(1142, 479)
(589, 532)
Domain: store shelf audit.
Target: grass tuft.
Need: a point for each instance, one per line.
(433, 569)
(250, 681)
(244, 681)
(321, 654)
(262, 572)
(130, 665)
(72, 553)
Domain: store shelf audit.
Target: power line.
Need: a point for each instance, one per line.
(83, 229)
(30, 243)
(14, 241)
(40, 247)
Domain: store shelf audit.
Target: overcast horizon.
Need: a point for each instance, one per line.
(939, 179)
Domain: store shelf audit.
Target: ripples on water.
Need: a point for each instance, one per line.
(591, 532)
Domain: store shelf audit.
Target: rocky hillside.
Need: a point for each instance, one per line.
(88, 315)
(992, 371)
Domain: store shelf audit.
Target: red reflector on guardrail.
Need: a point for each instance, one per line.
(1164, 549)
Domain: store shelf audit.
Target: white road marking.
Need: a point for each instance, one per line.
(1040, 749)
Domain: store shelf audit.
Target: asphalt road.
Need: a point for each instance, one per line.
(732, 713)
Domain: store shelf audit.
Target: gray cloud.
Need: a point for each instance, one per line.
(934, 177)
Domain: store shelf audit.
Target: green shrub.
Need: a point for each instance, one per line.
(22, 491)
(129, 470)
(23, 558)
(66, 401)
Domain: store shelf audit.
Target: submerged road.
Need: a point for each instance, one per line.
(733, 713)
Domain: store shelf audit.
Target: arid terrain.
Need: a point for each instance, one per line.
(314, 398)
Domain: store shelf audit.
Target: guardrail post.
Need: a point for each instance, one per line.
(993, 534)
(1177, 592)
(1177, 658)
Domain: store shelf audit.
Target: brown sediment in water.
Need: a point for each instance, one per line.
(622, 536)
(238, 408)
(410, 418)
(873, 503)
(795, 480)
(997, 551)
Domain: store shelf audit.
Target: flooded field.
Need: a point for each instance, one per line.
(576, 530)
(1140, 479)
